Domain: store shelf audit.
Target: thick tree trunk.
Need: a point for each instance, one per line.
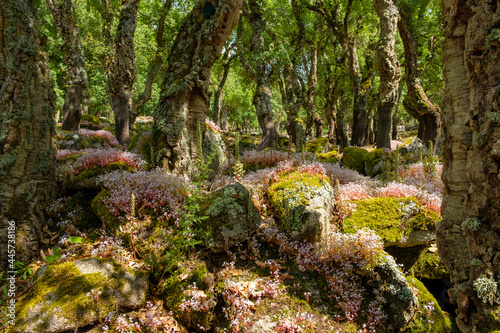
(148, 87)
(76, 100)
(123, 71)
(27, 153)
(469, 235)
(184, 99)
(417, 101)
(388, 67)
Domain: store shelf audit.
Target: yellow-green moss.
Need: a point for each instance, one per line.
(330, 157)
(63, 290)
(428, 319)
(290, 195)
(429, 266)
(91, 119)
(172, 289)
(354, 158)
(385, 216)
(494, 322)
(372, 158)
(317, 145)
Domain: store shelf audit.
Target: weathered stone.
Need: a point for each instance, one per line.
(231, 216)
(304, 204)
(414, 147)
(401, 302)
(75, 294)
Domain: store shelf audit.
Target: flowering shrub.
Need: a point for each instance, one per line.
(108, 136)
(160, 193)
(94, 158)
(344, 175)
(414, 174)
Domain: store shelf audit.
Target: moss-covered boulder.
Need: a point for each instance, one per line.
(109, 221)
(330, 157)
(401, 222)
(90, 122)
(354, 159)
(303, 203)
(374, 162)
(430, 317)
(189, 294)
(413, 146)
(75, 294)
(231, 217)
(401, 302)
(318, 145)
(429, 266)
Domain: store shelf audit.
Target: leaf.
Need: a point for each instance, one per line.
(76, 240)
(52, 258)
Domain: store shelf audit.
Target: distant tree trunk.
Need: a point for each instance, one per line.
(184, 99)
(123, 71)
(219, 93)
(388, 67)
(260, 70)
(148, 87)
(395, 115)
(27, 153)
(417, 101)
(340, 130)
(469, 235)
(313, 121)
(76, 100)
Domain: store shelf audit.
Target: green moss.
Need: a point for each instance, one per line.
(71, 158)
(190, 273)
(91, 119)
(330, 157)
(100, 209)
(317, 145)
(494, 321)
(7, 161)
(97, 170)
(390, 217)
(63, 290)
(354, 158)
(429, 266)
(291, 194)
(430, 317)
(372, 158)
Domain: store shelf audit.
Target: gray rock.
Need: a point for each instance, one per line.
(70, 295)
(401, 302)
(231, 216)
(414, 147)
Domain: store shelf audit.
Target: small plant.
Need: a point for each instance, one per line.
(486, 289)
(472, 223)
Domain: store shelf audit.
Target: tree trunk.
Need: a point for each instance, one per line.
(388, 67)
(313, 120)
(417, 100)
(469, 235)
(184, 99)
(148, 87)
(123, 71)
(219, 94)
(76, 100)
(27, 153)
(340, 130)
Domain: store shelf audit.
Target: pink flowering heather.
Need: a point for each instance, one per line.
(344, 175)
(161, 193)
(414, 174)
(61, 153)
(110, 138)
(212, 125)
(103, 157)
(266, 158)
(429, 200)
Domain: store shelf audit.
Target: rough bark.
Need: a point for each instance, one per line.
(417, 101)
(184, 99)
(27, 153)
(388, 68)
(148, 87)
(262, 96)
(219, 93)
(123, 71)
(76, 100)
(471, 150)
